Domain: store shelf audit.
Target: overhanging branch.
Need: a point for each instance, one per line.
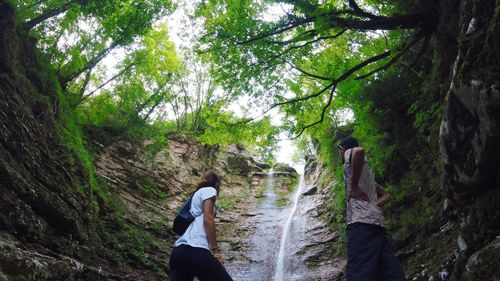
(310, 74)
(412, 42)
(323, 112)
(357, 9)
(333, 84)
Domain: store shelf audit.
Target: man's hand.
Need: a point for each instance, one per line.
(382, 197)
(357, 193)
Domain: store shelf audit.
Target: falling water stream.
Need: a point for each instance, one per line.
(290, 243)
(281, 254)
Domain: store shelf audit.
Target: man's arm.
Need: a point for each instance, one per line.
(357, 163)
(382, 197)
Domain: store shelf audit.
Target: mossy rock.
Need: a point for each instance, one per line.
(485, 263)
(285, 169)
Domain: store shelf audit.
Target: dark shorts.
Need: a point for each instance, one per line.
(369, 255)
(186, 262)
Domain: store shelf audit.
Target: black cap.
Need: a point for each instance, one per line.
(347, 143)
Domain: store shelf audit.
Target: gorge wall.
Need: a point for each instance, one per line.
(54, 226)
(470, 133)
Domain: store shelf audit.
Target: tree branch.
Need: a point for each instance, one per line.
(333, 83)
(357, 9)
(90, 64)
(285, 28)
(410, 21)
(302, 98)
(109, 80)
(363, 64)
(311, 33)
(52, 12)
(417, 38)
(303, 45)
(84, 85)
(310, 74)
(323, 112)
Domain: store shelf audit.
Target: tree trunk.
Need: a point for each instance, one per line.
(90, 64)
(52, 13)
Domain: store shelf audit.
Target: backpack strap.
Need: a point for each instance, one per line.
(350, 156)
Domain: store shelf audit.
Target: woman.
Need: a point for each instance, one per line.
(195, 252)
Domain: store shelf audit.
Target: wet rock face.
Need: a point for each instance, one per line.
(470, 132)
(285, 178)
(252, 232)
(152, 187)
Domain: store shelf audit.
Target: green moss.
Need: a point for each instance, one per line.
(122, 241)
(284, 194)
(148, 186)
(282, 201)
(226, 202)
(69, 130)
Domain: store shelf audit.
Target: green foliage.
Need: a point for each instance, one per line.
(225, 203)
(221, 127)
(147, 185)
(122, 241)
(76, 37)
(276, 59)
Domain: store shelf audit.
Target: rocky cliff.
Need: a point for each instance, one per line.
(45, 207)
(152, 187)
(470, 134)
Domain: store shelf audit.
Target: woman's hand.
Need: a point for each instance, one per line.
(217, 255)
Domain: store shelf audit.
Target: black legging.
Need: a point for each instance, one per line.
(187, 262)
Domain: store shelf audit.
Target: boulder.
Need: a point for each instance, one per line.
(484, 264)
(282, 168)
(310, 191)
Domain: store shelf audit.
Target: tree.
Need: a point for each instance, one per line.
(310, 49)
(142, 85)
(195, 91)
(77, 34)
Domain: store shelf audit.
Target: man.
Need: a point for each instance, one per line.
(370, 257)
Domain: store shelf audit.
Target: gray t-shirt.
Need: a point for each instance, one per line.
(360, 210)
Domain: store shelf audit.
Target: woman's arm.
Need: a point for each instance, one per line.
(209, 223)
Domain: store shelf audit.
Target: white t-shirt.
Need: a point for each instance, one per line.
(360, 210)
(195, 235)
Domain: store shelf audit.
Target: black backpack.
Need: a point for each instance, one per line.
(183, 218)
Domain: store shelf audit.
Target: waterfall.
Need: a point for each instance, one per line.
(281, 255)
(270, 195)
